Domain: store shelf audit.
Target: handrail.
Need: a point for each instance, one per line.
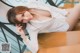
(6, 3)
(51, 3)
(11, 32)
(4, 34)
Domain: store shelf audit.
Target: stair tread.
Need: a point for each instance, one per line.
(61, 49)
(59, 39)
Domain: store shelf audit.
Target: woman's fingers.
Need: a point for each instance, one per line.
(18, 25)
(19, 28)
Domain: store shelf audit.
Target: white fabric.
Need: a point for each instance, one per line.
(56, 24)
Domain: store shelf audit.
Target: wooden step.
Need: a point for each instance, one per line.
(61, 49)
(59, 39)
(59, 42)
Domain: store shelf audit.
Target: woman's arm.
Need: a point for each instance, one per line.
(22, 33)
(32, 44)
(58, 10)
(47, 7)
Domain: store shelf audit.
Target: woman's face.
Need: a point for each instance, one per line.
(25, 17)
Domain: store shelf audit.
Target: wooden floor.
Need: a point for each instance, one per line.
(61, 49)
(60, 42)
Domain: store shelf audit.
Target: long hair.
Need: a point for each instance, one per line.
(11, 15)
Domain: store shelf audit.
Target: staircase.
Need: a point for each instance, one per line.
(9, 36)
(60, 42)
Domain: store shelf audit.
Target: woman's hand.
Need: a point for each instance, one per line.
(21, 32)
(19, 29)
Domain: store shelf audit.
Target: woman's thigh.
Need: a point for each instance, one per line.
(73, 16)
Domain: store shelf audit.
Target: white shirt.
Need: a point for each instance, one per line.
(56, 24)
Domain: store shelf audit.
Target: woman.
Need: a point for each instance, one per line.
(37, 18)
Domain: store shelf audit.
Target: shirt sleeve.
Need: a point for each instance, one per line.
(58, 10)
(53, 10)
(32, 44)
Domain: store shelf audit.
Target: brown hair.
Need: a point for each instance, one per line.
(11, 15)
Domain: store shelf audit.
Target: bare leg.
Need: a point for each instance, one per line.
(73, 16)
